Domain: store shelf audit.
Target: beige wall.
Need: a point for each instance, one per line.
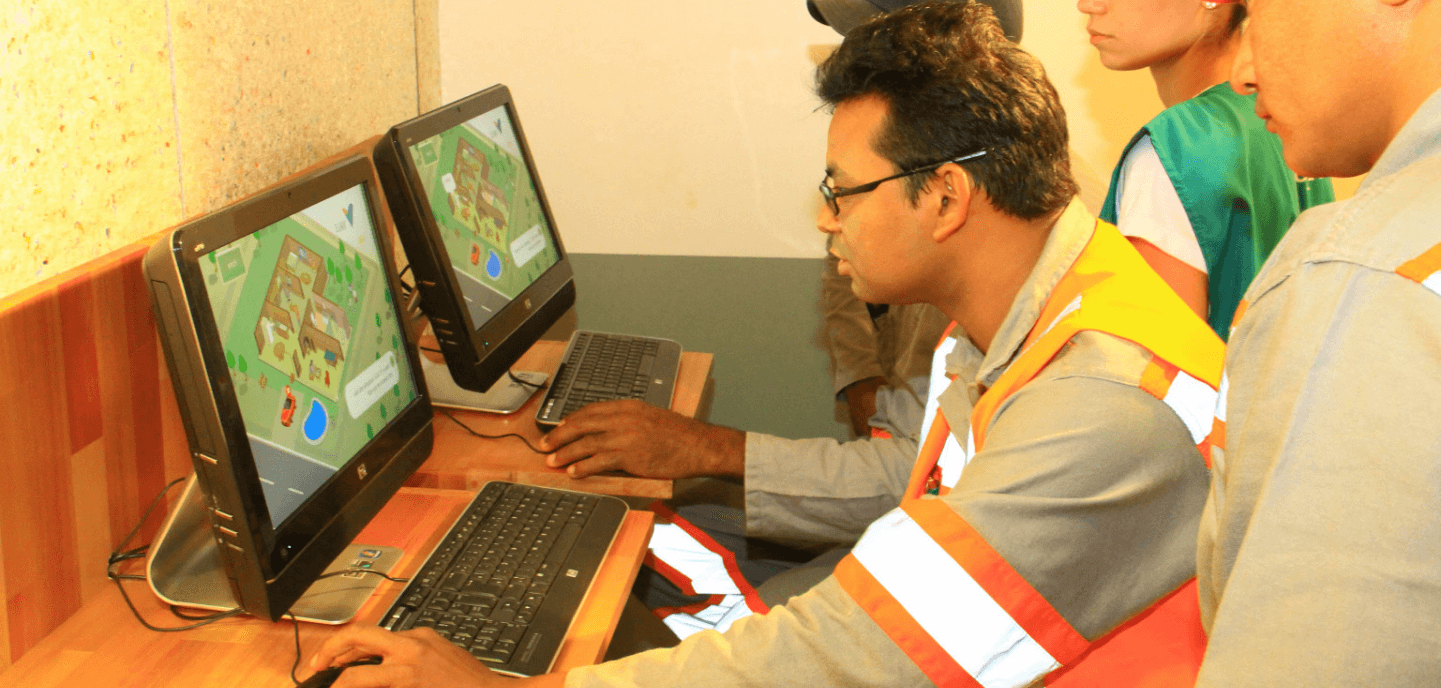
(675, 128)
(123, 118)
(660, 127)
(690, 129)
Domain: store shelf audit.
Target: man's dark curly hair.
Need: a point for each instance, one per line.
(955, 85)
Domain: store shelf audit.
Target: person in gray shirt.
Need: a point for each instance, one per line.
(1319, 562)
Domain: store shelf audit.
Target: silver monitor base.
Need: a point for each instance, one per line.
(505, 396)
(184, 569)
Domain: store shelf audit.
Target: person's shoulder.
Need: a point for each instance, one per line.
(1210, 135)
(1091, 414)
(1094, 380)
(1217, 115)
(1098, 356)
(1389, 222)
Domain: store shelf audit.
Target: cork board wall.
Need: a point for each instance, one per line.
(122, 119)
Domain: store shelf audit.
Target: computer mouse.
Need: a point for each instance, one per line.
(327, 676)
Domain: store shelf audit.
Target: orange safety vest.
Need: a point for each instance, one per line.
(1009, 635)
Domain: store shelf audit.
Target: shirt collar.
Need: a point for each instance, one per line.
(1069, 236)
(1419, 138)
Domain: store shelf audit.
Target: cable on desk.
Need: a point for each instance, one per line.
(468, 429)
(372, 572)
(121, 555)
(296, 625)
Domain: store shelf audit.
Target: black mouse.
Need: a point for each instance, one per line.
(327, 676)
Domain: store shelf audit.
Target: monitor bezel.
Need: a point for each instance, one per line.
(271, 565)
(476, 355)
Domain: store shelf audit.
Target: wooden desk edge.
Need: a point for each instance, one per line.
(596, 620)
(79, 652)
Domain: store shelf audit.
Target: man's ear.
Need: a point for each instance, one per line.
(954, 206)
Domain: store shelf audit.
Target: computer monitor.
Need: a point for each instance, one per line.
(297, 384)
(476, 227)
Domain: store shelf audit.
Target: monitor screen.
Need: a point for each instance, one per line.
(296, 378)
(486, 207)
(472, 216)
(311, 341)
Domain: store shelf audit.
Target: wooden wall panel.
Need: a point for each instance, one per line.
(37, 514)
(92, 435)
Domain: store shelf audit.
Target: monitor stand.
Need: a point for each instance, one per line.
(505, 396)
(184, 569)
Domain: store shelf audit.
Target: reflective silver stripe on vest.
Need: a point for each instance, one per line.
(949, 604)
(1433, 282)
(1195, 402)
(708, 575)
(939, 382)
(953, 459)
(1220, 412)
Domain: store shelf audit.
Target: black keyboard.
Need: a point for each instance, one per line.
(599, 367)
(504, 584)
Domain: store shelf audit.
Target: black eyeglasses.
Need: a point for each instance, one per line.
(831, 193)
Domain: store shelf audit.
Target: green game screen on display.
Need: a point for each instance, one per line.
(312, 343)
(487, 211)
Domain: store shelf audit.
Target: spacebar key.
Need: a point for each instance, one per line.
(563, 543)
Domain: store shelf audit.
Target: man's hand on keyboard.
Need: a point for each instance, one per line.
(642, 440)
(410, 659)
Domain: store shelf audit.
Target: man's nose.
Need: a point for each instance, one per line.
(1243, 71)
(826, 221)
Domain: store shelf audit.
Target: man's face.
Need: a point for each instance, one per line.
(879, 236)
(1321, 83)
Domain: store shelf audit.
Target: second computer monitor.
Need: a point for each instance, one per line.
(473, 219)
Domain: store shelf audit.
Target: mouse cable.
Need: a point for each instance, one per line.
(296, 625)
(372, 572)
(468, 429)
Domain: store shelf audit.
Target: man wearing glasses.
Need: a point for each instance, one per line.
(1047, 527)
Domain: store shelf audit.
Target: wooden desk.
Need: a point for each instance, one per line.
(103, 645)
(462, 461)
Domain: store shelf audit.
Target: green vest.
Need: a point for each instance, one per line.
(1234, 185)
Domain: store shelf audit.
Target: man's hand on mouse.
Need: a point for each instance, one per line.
(412, 659)
(642, 440)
